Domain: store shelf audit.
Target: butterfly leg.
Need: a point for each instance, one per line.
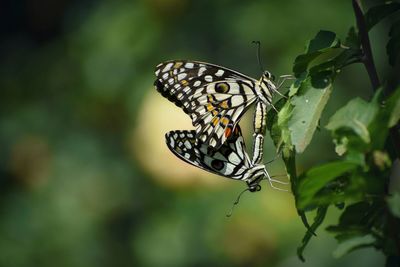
(280, 82)
(284, 78)
(271, 181)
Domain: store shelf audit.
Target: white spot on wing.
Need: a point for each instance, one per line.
(168, 67)
(239, 151)
(247, 90)
(189, 65)
(213, 143)
(220, 131)
(165, 76)
(181, 76)
(208, 78)
(237, 100)
(229, 169)
(201, 70)
(197, 83)
(219, 73)
(221, 97)
(234, 158)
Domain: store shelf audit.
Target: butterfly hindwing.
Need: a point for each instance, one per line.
(213, 96)
(230, 160)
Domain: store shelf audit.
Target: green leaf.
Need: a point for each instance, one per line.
(377, 13)
(319, 218)
(355, 116)
(352, 244)
(315, 179)
(394, 204)
(352, 39)
(324, 43)
(387, 117)
(394, 104)
(322, 40)
(306, 112)
(358, 220)
(393, 45)
(326, 54)
(277, 125)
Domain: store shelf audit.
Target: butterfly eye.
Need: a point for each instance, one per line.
(221, 88)
(255, 188)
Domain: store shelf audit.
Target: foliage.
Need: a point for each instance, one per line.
(365, 134)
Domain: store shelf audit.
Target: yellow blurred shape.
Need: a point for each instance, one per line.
(156, 117)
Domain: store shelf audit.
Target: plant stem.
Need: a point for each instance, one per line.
(369, 64)
(366, 45)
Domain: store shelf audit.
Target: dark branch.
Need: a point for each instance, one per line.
(366, 45)
(369, 64)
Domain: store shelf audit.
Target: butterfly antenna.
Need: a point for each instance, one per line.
(275, 158)
(258, 43)
(236, 202)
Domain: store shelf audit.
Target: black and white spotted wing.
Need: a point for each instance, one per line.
(213, 96)
(230, 160)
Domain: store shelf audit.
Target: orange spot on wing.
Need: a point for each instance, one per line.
(184, 82)
(210, 107)
(228, 132)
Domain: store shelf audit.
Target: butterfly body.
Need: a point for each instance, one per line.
(216, 98)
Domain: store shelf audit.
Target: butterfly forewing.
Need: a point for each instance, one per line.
(230, 160)
(213, 96)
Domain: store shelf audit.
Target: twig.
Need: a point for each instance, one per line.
(366, 45)
(369, 64)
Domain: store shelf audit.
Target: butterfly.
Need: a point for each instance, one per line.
(230, 160)
(216, 98)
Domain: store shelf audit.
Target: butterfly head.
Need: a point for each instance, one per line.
(267, 85)
(268, 76)
(254, 188)
(257, 175)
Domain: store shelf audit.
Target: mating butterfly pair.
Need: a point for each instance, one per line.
(216, 98)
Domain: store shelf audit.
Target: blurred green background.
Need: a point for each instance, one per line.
(85, 176)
